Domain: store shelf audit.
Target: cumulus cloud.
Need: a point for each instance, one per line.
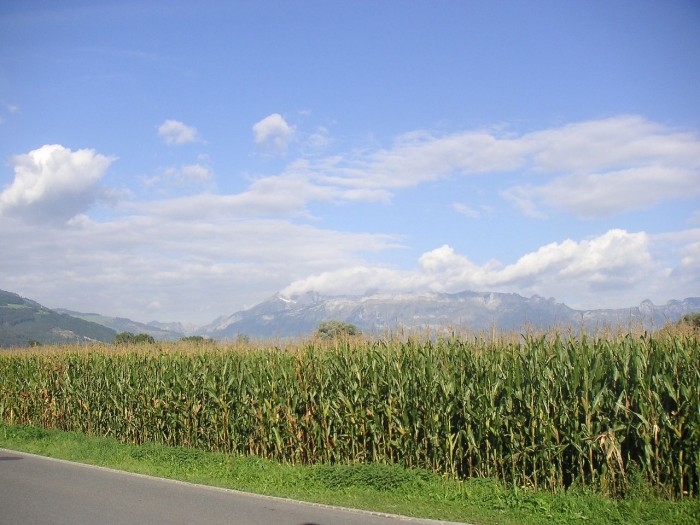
(54, 183)
(176, 132)
(273, 133)
(612, 269)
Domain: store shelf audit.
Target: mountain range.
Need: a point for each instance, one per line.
(159, 331)
(24, 322)
(282, 316)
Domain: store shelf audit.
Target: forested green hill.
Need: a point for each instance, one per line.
(24, 322)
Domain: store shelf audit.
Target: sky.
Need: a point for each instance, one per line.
(179, 161)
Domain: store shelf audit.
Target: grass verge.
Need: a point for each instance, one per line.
(384, 488)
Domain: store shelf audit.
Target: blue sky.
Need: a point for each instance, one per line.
(181, 161)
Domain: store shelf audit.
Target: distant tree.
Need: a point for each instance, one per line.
(128, 338)
(691, 320)
(242, 339)
(125, 338)
(196, 339)
(145, 339)
(333, 329)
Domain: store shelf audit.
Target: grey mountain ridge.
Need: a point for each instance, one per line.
(175, 327)
(299, 315)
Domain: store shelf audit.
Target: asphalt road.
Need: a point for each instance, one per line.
(41, 491)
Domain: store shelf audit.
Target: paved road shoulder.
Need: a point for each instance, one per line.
(39, 490)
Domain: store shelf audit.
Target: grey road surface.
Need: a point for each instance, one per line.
(42, 491)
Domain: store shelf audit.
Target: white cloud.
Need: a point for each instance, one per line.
(616, 142)
(181, 179)
(689, 267)
(590, 169)
(420, 157)
(195, 172)
(181, 175)
(609, 166)
(443, 259)
(273, 133)
(319, 139)
(54, 183)
(268, 196)
(615, 269)
(197, 270)
(682, 250)
(600, 194)
(219, 263)
(176, 132)
(465, 210)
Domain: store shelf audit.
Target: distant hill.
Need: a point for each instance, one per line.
(24, 322)
(159, 331)
(298, 315)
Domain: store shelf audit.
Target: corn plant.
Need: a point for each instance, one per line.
(546, 412)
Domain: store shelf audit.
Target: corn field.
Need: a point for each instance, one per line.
(543, 412)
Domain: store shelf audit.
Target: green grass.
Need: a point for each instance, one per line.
(379, 487)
